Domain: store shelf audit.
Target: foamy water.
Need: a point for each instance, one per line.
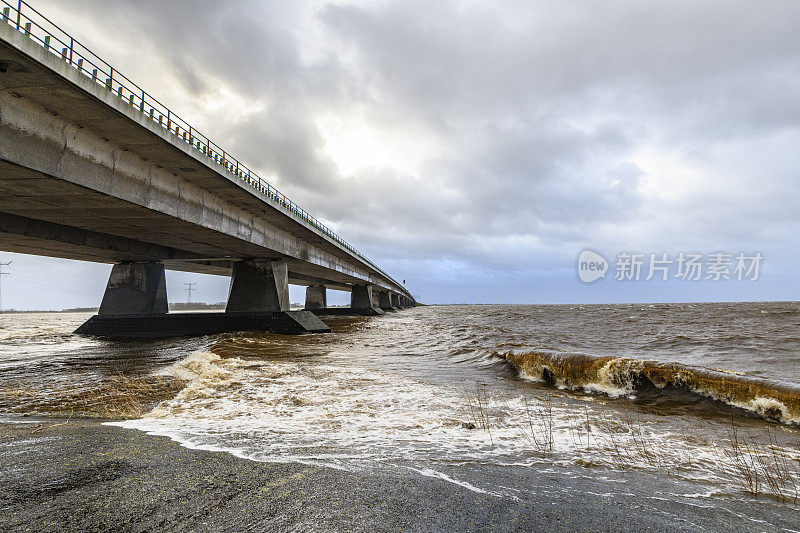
(356, 419)
(608, 388)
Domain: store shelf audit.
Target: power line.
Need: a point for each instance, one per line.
(189, 287)
(1, 280)
(67, 286)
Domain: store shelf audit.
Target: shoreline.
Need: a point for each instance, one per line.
(65, 474)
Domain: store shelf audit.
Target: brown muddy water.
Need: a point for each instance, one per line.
(707, 395)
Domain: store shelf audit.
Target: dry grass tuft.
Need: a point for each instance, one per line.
(761, 467)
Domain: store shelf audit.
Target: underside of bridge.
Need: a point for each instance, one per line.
(85, 174)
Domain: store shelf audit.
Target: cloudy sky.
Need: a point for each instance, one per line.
(474, 149)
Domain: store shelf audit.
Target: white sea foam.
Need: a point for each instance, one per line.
(769, 408)
(614, 380)
(351, 418)
(200, 365)
(427, 472)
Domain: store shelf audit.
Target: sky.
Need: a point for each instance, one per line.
(475, 149)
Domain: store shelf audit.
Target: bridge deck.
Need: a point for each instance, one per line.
(86, 173)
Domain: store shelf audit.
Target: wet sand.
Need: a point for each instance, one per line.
(71, 475)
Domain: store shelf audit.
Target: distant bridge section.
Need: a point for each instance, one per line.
(94, 168)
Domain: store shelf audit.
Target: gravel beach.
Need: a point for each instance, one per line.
(70, 475)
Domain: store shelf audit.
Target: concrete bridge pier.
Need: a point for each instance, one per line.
(135, 288)
(258, 287)
(316, 297)
(364, 300)
(395, 299)
(135, 305)
(385, 301)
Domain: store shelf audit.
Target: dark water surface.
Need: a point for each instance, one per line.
(704, 394)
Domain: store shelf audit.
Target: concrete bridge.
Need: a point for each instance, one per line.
(94, 168)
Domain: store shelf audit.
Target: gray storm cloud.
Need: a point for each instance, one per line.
(513, 134)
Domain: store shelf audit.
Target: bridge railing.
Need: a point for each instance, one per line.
(59, 43)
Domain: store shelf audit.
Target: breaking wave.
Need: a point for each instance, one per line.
(621, 376)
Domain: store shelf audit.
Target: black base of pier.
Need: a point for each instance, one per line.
(153, 326)
(347, 311)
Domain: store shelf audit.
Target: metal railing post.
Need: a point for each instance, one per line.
(71, 43)
(19, 13)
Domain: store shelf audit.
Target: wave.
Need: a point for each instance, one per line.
(32, 334)
(199, 365)
(621, 376)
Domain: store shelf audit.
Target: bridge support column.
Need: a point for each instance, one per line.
(258, 287)
(135, 289)
(385, 301)
(316, 297)
(394, 298)
(135, 305)
(364, 300)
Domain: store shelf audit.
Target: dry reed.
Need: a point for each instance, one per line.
(759, 467)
